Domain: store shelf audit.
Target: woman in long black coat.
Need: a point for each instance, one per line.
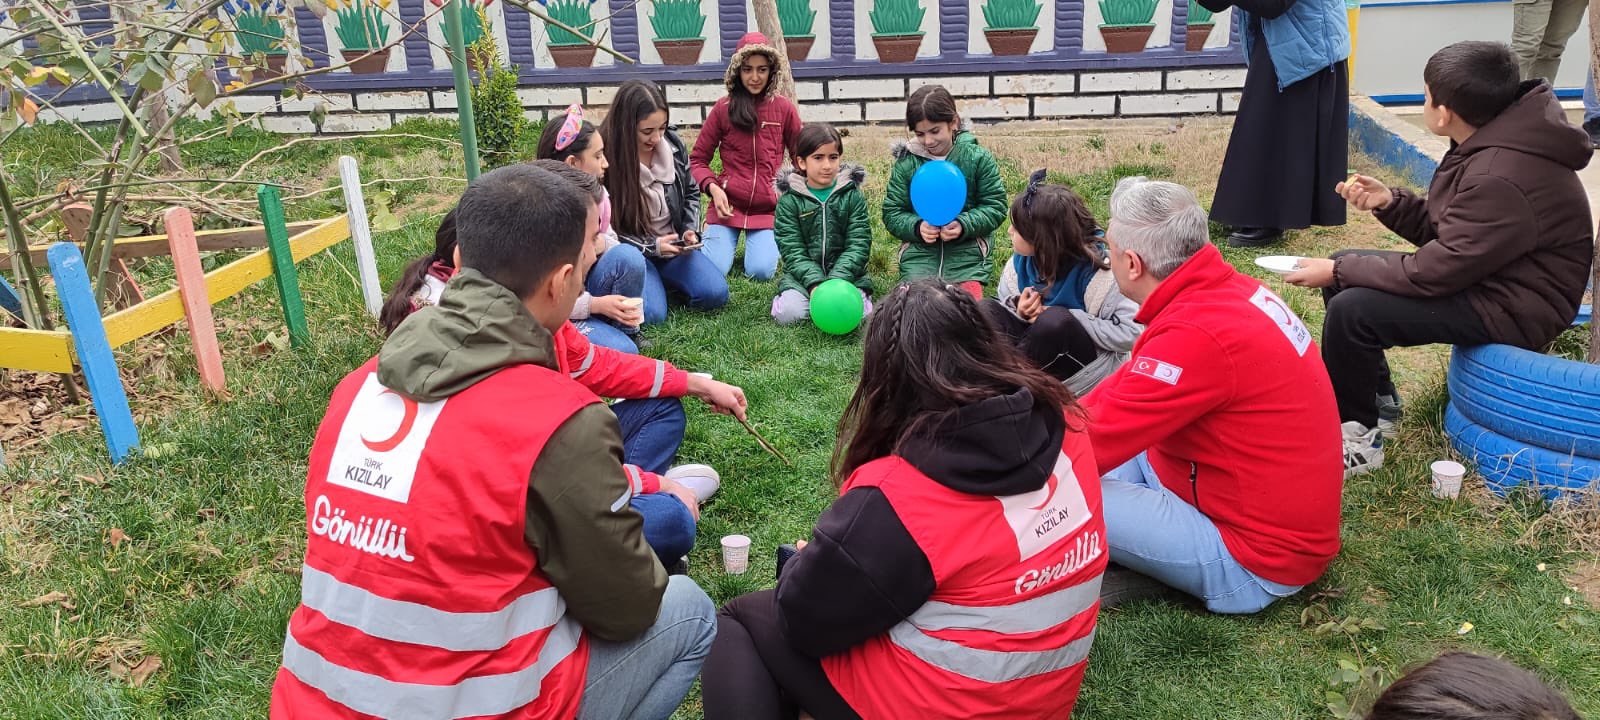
(1288, 148)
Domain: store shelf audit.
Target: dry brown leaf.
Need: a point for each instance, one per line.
(49, 598)
(29, 110)
(14, 411)
(116, 537)
(141, 672)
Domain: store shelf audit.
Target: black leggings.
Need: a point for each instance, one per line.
(753, 673)
(1055, 341)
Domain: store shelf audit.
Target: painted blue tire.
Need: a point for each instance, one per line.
(1505, 463)
(1529, 397)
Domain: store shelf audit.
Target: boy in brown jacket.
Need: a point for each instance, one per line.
(1504, 238)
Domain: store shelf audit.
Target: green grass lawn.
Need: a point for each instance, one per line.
(191, 556)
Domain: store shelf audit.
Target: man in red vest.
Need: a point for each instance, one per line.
(1221, 428)
(471, 551)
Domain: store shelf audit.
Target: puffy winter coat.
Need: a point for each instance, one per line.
(958, 260)
(1108, 317)
(823, 239)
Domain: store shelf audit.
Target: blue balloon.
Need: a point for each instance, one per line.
(938, 192)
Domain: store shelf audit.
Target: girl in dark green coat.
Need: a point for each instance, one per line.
(821, 224)
(957, 253)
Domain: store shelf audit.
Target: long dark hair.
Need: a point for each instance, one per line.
(1058, 224)
(397, 306)
(1465, 686)
(930, 351)
(635, 100)
(932, 103)
(741, 104)
(547, 139)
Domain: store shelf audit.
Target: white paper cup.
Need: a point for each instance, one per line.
(735, 554)
(633, 302)
(1447, 475)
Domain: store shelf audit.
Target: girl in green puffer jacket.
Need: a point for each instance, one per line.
(821, 223)
(957, 253)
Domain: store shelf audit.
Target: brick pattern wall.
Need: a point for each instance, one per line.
(1040, 96)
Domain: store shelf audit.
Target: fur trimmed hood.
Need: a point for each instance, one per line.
(753, 43)
(900, 148)
(792, 180)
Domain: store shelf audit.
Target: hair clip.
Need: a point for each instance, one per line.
(570, 127)
(1034, 181)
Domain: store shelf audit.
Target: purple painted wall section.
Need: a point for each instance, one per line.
(954, 58)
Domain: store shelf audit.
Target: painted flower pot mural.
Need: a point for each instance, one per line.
(897, 29)
(1011, 25)
(797, 20)
(474, 22)
(1199, 28)
(566, 48)
(1126, 24)
(679, 27)
(258, 29)
(363, 34)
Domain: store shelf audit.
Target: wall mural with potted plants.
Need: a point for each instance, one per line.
(1011, 26)
(1126, 26)
(260, 26)
(477, 18)
(896, 31)
(566, 49)
(679, 27)
(798, 20)
(362, 27)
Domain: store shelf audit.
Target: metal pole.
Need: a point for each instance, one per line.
(458, 62)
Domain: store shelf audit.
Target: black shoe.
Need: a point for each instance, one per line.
(681, 567)
(641, 342)
(1592, 126)
(1120, 585)
(1254, 237)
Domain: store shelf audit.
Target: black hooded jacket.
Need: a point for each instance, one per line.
(862, 572)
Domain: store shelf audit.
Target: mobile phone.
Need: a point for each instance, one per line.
(785, 551)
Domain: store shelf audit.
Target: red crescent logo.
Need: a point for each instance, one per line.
(1052, 483)
(400, 433)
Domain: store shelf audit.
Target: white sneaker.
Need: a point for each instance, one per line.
(700, 479)
(1363, 448)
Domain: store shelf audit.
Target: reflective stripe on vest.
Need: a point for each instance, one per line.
(993, 666)
(410, 622)
(374, 695)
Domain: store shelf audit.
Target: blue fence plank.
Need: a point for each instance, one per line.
(842, 21)
(1180, 23)
(94, 351)
(9, 299)
(1069, 29)
(625, 27)
(314, 39)
(953, 20)
(732, 22)
(419, 56)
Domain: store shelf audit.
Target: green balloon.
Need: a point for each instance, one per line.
(836, 307)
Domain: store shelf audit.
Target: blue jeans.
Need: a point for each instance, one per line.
(1591, 104)
(618, 271)
(646, 678)
(668, 526)
(1154, 532)
(604, 333)
(760, 251)
(652, 430)
(690, 273)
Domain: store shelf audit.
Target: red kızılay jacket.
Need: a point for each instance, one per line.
(615, 374)
(1228, 394)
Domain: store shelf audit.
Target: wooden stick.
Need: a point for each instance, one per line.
(764, 444)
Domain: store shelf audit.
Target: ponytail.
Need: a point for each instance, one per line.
(397, 306)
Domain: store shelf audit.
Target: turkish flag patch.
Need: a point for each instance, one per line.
(1157, 370)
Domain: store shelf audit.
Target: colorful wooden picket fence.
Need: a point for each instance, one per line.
(90, 338)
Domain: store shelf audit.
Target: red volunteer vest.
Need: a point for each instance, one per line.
(1006, 633)
(419, 596)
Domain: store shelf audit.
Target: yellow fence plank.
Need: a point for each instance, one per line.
(243, 238)
(41, 350)
(224, 282)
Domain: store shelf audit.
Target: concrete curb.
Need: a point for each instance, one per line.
(1406, 149)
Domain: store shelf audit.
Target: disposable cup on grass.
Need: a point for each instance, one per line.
(735, 554)
(1447, 476)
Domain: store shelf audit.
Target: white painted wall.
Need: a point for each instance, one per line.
(1394, 43)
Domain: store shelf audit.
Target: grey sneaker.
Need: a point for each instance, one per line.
(1363, 449)
(1390, 408)
(700, 479)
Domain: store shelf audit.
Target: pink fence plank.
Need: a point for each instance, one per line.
(196, 305)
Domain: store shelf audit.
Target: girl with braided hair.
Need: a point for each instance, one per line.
(887, 612)
(1057, 299)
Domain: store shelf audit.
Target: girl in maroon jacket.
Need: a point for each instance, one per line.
(755, 131)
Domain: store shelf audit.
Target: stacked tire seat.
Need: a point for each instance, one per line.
(1526, 419)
